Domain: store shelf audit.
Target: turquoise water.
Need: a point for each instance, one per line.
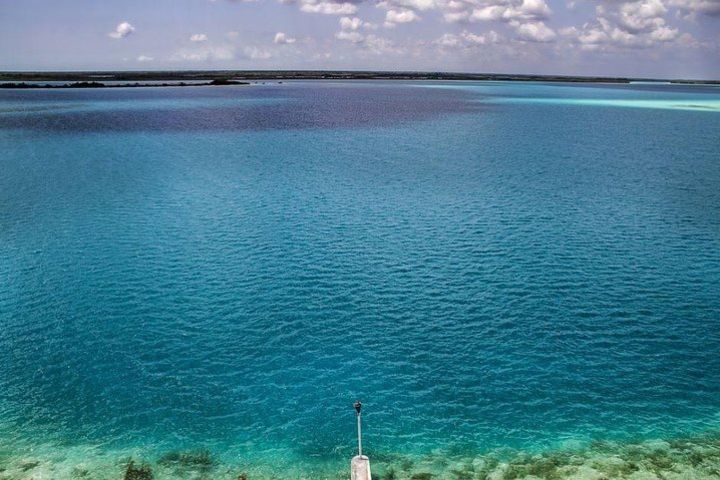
(516, 279)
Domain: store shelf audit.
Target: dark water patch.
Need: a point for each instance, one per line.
(273, 108)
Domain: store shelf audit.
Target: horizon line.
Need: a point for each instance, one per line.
(389, 73)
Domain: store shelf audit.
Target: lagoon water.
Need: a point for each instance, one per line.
(516, 278)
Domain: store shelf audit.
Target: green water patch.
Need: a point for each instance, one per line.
(695, 457)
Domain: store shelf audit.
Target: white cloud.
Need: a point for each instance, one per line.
(381, 46)
(448, 40)
(347, 23)
(122, 30)
(413, 4)
(256, 53)
(534, 9)
(198, 37)
(350, 32)
(349, 29)
(328, 7)
(282, 39)
(355, 23)
(630, 24)
(350, 36)
(491, 12)
(705, 7)
(501, 11)
(456, 17)
(527, 10)
(205, 53)
(617, 23)
(664, 34)
(145, 58)
(525, 17)
(467, 39)
(641, 16)
(489, 37)
(418, 4)
(534, 31)
(393, 17)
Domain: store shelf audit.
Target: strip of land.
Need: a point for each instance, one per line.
(232, 77)
(86, 84)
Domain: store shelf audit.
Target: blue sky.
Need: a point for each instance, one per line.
(655, 38)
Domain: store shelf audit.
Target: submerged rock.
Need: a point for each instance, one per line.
(585, 472)
(201, 457)
(26, 465)
(80, 472)
(390, 474)
(142, 472)
(422, 476)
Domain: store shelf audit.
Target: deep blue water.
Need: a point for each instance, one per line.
(485, 265)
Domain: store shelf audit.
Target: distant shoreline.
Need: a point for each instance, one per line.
(228, 77)
(91, 85)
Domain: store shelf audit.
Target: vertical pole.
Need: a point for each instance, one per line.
(360, 464)
(359, 420)
(358, 406)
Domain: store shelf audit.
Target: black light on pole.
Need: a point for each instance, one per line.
(358, 407)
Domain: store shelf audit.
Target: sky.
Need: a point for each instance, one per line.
(638, 38)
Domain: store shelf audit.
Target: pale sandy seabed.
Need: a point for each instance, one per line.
(682, 458)
(688, 105)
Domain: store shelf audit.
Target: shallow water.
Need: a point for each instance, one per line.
(502, 272)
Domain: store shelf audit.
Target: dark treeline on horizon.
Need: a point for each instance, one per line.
(225, 75)
(86, 84)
